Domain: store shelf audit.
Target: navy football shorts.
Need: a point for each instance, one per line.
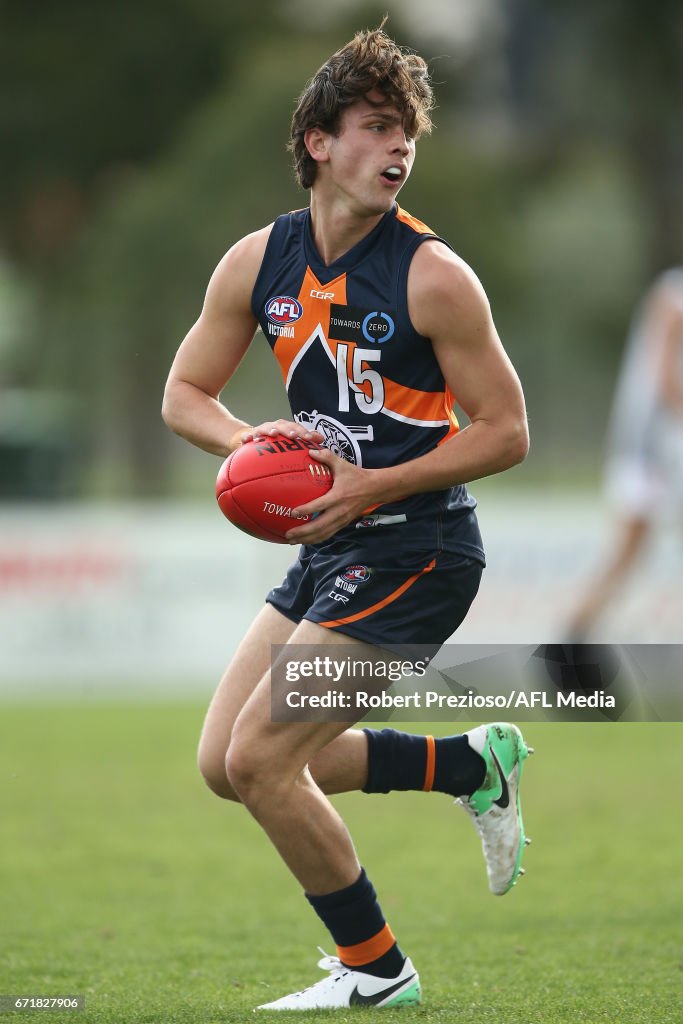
(382, 585)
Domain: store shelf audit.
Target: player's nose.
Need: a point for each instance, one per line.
(400, 143)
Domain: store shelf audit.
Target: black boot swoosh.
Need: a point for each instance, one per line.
(504, 798)
(356, 999)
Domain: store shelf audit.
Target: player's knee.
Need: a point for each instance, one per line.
(247, 770)
(212, 770)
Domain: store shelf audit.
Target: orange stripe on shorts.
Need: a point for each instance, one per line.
(429, 767)
(383, 603)
(365, 952)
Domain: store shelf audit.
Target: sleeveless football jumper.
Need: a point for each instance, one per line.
(356, 370)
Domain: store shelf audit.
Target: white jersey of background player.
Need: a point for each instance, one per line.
(645, 442)
(644, 469)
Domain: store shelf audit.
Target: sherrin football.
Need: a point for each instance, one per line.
(262, 481)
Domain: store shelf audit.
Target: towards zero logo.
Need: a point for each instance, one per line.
(378, 327)
(283, 309)
(351, 323)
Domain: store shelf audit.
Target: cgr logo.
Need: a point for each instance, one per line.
(327, 296)
(356, 574)
(283, 309)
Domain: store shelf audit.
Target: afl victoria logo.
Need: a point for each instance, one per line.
(356, 574)
(283, 309)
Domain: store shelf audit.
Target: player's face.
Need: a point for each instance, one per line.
(371, 157)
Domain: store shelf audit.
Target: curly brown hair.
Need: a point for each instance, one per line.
(372, 60)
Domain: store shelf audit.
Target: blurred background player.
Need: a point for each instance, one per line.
(384, 322)
(644, 465)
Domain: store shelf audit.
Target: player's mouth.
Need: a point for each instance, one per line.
(393, 175)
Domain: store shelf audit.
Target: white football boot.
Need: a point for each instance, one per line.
(495, 807)
(345, 987)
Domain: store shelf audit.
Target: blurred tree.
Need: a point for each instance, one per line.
(143, 265)
(86, 88)
(609, 74)
(644, 50)
(595, 95)
(90, 99)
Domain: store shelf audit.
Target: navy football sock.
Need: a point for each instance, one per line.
(401, 761)
(355, 920)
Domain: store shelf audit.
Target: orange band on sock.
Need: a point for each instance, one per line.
(366, 952)
(429, 767)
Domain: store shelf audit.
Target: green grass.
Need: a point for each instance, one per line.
(123, 879)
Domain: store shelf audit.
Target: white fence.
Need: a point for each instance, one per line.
(152, 599)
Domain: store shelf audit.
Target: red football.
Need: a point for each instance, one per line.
(262, 481)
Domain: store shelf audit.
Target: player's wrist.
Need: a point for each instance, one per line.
(391, 484)
(236, 439)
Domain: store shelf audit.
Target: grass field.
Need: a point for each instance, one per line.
(123, 879)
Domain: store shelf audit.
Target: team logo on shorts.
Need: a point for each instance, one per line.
(356, 574)
(283, 309)
(349, 580)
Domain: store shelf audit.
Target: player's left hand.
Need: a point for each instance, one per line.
(353, 491)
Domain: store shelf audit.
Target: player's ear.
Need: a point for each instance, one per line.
(315, 140)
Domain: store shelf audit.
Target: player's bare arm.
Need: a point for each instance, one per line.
(212, 351)
(670, 314)
(448, 306)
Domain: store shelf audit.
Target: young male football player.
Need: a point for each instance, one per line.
(376, 325)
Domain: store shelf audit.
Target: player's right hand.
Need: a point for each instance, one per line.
(271, 428)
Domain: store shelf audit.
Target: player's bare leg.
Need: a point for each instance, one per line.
(267, 766)
(249, 664)
(340, 759)
(633, 533)
(340, 767)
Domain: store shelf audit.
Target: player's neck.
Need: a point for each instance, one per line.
(337, 228)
